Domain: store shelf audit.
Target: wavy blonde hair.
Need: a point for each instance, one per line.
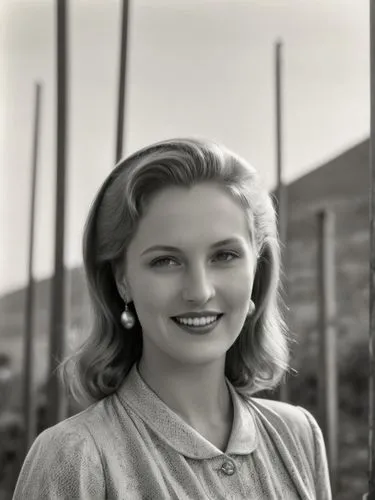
(259, 357)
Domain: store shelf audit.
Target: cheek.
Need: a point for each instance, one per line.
(154, 295)
(239, 296)
(239, 288)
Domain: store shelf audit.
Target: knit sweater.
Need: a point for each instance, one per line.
(131, 445)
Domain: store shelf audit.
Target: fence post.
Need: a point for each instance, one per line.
(281, 192)
(57, 402)
(371, 419)
(327, 371)
(29, 404)
(122, 79)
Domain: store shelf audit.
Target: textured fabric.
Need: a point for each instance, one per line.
(132, 446)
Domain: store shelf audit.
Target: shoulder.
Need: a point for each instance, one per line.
(296, 418)
(73, 432)
(63, 460)
(295, 429)
(296, 426)
(300, 433)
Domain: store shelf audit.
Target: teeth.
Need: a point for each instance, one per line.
(197, 321)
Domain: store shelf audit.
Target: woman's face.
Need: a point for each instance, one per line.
(191, 256)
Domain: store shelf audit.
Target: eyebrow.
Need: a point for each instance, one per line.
(168, 248)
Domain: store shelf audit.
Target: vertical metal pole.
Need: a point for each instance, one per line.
(279, 156)
(122, 80)
(371, 444)
(56, 399)
(327, 371)
(281, 190)
(29, 406)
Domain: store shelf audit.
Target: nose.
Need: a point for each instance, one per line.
(198, 286)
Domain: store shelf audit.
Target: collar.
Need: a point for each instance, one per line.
(179, 435)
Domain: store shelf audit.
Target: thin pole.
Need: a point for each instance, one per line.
(279, 156)
(281, 190)
(122, 80)
(56, 399)
(29, 407)
(371, 443)
(327, 372)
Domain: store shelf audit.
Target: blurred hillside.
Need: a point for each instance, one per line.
(341, 185)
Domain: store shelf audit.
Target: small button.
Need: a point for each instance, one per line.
(228, 468)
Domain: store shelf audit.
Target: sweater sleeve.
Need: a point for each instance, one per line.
(322, 479)
(61, 464)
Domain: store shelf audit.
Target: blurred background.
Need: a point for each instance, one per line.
(200, 68)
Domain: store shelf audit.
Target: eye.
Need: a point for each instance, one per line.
(226, 256)
(163, 262)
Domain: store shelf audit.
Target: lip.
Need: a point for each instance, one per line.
(198, 314)
(199, 330)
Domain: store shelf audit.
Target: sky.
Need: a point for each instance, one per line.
(200, 68)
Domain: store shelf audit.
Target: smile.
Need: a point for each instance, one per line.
(197, 321)
(203, 324)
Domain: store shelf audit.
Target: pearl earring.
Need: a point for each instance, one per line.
(251, 308)
(127, 318)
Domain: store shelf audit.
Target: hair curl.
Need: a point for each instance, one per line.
(259, 357)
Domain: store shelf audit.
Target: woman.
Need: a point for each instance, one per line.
(182, 261)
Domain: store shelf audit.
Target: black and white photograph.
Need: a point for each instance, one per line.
(187, 249)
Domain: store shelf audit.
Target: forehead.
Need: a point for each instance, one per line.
(205, 212)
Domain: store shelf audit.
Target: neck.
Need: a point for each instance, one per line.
(197, 393)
